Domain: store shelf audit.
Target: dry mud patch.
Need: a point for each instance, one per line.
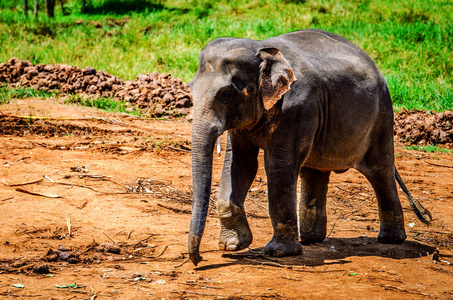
(110, 220)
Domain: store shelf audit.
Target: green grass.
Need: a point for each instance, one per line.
(411, 41)
(7, 93)
(107, 104)
(430, 149)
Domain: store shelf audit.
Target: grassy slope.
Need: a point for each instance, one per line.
(410, 40)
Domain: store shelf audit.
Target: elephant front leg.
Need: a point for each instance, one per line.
(282, 180)
(312, 205)
(239, 170)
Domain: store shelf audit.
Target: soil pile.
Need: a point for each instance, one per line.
(155, 94)
(160, 95)
(419, 127)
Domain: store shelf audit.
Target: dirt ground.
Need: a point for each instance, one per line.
(96, 206)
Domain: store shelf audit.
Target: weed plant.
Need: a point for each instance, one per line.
(430, 149)
(411, 41)
(8, 93)
(107, 104)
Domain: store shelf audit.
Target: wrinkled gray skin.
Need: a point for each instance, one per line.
(315, 103)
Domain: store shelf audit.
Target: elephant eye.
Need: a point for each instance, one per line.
(225, 96)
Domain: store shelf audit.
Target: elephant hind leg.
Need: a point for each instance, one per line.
(382, 178)
(312, 205)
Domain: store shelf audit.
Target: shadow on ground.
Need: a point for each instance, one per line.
(333, 251)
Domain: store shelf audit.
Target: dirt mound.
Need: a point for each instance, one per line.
(155, 94)
(419, 127)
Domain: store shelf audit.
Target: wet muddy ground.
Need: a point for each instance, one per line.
(97, 206)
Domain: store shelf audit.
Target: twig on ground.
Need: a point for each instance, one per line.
(160, 254)
(395, 288)
(177, 210)
(71, 184)
(109, 238)
(22, 183)
(289, 267)
(241, 255)
(68, 223)
(6, 199)
(259, 205)
(38, 194)
(81, 206)
(184, 162)
(202, 285)
(438, 165)
(25, 267)
(142, 240)
(289, 278)
(181, 264)
(163, 251)
(18, 296)
(177, 149)
(333, 226)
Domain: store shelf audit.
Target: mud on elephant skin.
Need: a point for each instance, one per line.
(315, 103)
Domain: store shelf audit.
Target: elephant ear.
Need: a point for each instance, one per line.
(276, 76)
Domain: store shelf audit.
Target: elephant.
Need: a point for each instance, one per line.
(315, 103)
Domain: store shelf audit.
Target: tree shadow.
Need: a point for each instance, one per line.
(333, 251)
(122, 7)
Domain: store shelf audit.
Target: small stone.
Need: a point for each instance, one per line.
(41, 269)
(109, 247)
(89, 71)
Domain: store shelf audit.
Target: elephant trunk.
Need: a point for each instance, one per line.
(204, 136)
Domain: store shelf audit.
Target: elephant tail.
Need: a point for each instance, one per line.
(422, 213)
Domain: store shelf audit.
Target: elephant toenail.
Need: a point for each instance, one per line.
(232, 247)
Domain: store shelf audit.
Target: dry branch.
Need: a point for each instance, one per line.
(38, 194)
(22, 183)
(438, 165)
(176, 210)
(71, 184)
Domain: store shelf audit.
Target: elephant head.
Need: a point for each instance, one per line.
(237, 81)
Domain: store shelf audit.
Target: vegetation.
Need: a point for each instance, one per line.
(107, 104)
(8, 93)
(430, 149)
(411, 41)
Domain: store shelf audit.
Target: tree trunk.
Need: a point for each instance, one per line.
(50, 7)
(26, 8)
(83, 6)
(62, 7)
(36, 8)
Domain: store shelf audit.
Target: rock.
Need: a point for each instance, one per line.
(89, 71)
(41, 269)
(109, 247)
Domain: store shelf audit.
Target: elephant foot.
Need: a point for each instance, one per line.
(284, 242)
(313, 230)
(234, 241)
(392, 229)
(280, 248)
(394, 236)
(235, 233)
(308, 238)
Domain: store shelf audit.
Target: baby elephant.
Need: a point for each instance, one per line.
(315, 103)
